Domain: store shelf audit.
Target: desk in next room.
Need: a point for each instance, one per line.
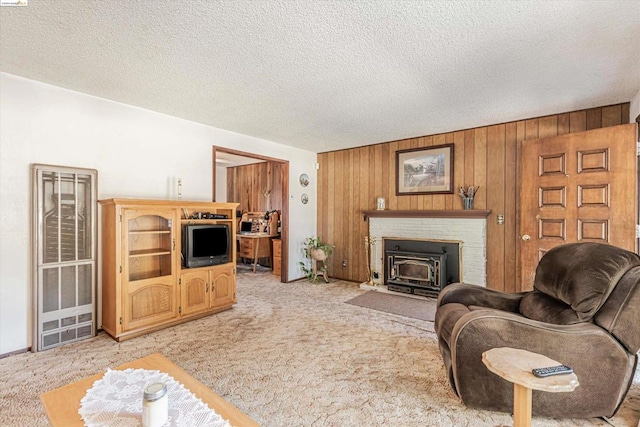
(255, 246)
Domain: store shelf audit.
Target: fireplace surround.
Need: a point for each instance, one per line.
(469, 227)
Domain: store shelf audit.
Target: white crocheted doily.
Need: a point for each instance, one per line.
(116, 400)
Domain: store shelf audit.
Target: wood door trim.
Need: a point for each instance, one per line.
(284, 218)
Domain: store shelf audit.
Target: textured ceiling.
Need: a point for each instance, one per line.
(325, 75)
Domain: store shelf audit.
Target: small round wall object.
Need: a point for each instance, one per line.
(304, 198)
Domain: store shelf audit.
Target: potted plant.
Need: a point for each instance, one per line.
(316, 252)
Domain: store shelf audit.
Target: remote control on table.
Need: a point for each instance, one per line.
(551, 370)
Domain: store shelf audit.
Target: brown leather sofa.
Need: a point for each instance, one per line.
(584, 312)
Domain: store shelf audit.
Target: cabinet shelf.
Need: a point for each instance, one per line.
(149, 252)
(204, 221)
(146, 275)
(138, 232)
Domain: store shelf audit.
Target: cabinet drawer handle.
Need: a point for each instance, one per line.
(207, 291)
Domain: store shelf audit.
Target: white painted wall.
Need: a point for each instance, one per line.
(138, 153)
(221, 184)
(634, 108)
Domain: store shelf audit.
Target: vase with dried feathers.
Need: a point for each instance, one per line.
(468, 195)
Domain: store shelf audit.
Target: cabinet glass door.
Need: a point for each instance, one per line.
(148, 267)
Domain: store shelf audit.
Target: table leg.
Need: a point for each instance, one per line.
(521, 406)
(255, 254)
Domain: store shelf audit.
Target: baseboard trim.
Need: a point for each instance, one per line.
(13, 353)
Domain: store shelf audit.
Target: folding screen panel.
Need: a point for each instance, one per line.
(64, 255)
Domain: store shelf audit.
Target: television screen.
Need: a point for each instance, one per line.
(209, 241)
(204, 245)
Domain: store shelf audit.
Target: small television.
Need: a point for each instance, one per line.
(205, 244)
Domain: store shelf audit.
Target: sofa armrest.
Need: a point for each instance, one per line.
(474, 295)
(603, 366)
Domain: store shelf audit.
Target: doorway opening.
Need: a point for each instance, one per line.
(259, 184)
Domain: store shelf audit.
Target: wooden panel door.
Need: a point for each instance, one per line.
(194, 290)
(575, 188)
(223, 285)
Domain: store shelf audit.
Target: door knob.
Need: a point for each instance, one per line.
(526, 237)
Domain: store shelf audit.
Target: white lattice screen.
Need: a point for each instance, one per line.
(64, 208)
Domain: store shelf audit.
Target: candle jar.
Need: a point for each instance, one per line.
(155, 405)
(380, 203)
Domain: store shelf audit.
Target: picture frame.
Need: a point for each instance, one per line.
(425, 170)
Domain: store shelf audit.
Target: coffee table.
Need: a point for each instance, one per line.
(62, 404)
(515, 365)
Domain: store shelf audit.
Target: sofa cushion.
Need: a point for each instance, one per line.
(581, 275)
(541, 307)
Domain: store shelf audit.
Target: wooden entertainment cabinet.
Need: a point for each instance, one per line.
(144, 284)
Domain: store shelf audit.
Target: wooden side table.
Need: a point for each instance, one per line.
(515, 365)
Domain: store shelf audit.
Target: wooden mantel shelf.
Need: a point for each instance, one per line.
(459, 213)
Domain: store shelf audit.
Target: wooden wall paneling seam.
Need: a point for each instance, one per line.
(385, 173)
(594, 118)
(548, 126)
(563, 123)
(404, 203)
(510, 213)
(531, 128)
(323, 179)
(331, 201)
(495, 196)
(520, 136)
(458, 172)
(625, 116)
(611, 115)
(448, 198)
(392, 202)
(480, 172)
(577, 122)
(421, 143)
(365, 168)
(413, 199)
(334, 267)
(428, 200)
(439, 199)
(348, 214)
(354, 212)
(469, 149)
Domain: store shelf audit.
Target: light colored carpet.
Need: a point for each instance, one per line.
(287, 355)
(422, 309)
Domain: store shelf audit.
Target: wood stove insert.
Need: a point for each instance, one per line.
(421, 267)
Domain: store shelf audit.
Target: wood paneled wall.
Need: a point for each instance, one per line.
(349, 181)
(256, 187)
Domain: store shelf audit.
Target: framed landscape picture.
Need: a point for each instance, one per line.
(426, 170)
